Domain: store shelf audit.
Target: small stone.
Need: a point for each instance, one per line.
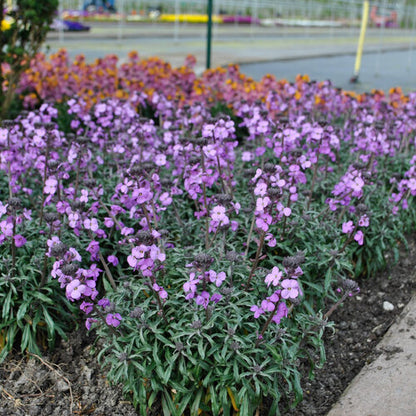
(353, 325)
(343, 325)
(378, 330)
(62, 386)
(387, 306)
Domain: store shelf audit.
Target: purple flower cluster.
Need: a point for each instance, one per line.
(121, 185)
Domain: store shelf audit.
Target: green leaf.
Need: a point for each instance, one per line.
(26, 338)
(328, 280)
(196, 403)
(22, 310)
(42, 297)
(7, 306)
(169, 409)
(49, 321)
(201, 348)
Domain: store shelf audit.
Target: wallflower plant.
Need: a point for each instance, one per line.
(204, 248)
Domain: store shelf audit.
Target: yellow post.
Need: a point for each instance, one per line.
(364, 20)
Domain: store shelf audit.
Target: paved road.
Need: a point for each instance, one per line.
(382, 70)
(322, 53)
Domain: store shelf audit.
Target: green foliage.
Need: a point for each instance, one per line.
(20, 43)
(31, 314)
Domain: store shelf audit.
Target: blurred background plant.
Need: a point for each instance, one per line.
(23, 31)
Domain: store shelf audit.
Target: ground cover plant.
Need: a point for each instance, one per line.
(205, 228)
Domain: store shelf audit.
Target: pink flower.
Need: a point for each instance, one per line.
(160, 160)
(262, 203)
(75, 289)
(216, 278)
(281, 313)
(218, 214)
(273, 277)
(347, 227)
(50, 186)
(91, 224)
(267, 305)
(19, 240)
(290, 289)
(165, 199)
(159, 289)
(364, 221)
(113, 319)
(257, 311)
(202, 299)
(112, 260)
(142, 195)
(359, 237)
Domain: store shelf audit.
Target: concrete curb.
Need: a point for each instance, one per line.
(387, 386)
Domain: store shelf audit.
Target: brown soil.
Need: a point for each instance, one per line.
(69, 381)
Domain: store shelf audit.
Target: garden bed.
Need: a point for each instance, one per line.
(34, 386)
(206, 230)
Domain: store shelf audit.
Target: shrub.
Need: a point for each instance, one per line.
(20, 42)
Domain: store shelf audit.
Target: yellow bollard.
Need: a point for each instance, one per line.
(364, 21)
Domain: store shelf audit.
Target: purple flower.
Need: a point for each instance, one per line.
(108, 222)
(89, 322)
(273, 277)
(113, 319)
(262, 203)
(203, 299)
(19, 240)
(267, 305)
(6, 228)
(216, 278)
(257, 311)
(215, 298)
(364, 221)
(104, 303)
(218, 214)
(190, 286)
(280, 313)
(112, 260)
(290, 289)
(75, 289)
(142, 195)
(50, 186)
(159, 289)
(87, 307)
(91, 224)
(359, 237)
(347, 227)
(93, 248)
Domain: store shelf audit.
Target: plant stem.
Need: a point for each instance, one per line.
(13, 248)
(107, 272)
(257, 258)
(315, 174)
(249, 235)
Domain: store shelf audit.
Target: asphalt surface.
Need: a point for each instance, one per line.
(383, 70)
